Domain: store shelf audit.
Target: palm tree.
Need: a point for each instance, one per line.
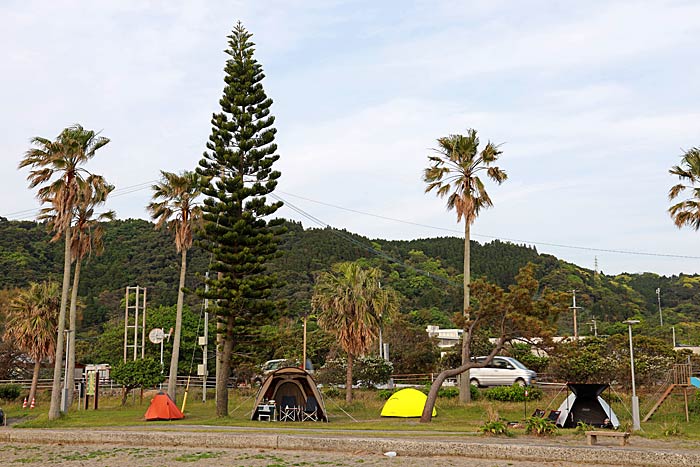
(454, 172)
(87, 238)
(31, 324)
(57, 166)
(175, 206)
(687, 212)
(350, 302)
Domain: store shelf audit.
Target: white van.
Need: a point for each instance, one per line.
(502, 371)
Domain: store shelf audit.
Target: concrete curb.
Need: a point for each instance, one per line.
(404, 447)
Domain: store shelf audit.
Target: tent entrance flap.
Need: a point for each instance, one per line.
(586, 405)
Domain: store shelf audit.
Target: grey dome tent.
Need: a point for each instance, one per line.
(584, 404)
(290, 384)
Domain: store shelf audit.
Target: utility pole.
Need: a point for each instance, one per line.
(205, 347)
(658, 297)
(574, 308)
(381, 342)
(595, 327)
(303, 364)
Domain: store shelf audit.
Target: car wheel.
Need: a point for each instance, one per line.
(474, 381)
(520, 382)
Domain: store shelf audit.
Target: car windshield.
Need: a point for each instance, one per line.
(517, 364)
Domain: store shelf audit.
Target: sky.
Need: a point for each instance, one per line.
(592, 102)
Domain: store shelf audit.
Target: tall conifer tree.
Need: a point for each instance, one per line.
(237, 232)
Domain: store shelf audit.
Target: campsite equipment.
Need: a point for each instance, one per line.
(163, 408)
(406, 403)
(584, 404)
(293, 388)
(33, 404)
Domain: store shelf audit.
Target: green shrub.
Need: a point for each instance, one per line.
(370, 371)
(583, 427)
(452, 392)
(671, 429)
(495, 428)
(513, 393)
(540, 426)
(385, 394)
(331, 392)
(449, 393)
(10, 392)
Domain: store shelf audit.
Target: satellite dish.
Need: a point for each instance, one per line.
(156, 335)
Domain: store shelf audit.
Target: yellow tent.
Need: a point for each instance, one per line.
(407, 402)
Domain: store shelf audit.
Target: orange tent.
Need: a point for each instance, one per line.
(163, 408)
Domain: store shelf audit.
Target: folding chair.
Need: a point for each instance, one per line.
(288, 409)
(310, 412)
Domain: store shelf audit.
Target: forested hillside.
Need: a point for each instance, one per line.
(427, 272)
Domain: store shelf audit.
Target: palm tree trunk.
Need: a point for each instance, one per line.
(54, 408)
(172, 378)
(465, 395)
(224, 370)
(35, 379)
(348, 380)
(72, 326)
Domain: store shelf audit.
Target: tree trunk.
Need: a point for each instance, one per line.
(465, 395)
(55, 407)
(35, 380)
(427, 415)
(172, 378)
(348, 380)
(73, 326)
(224, 370)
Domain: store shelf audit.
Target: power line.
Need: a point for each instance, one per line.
(493, 237)
(364, 246)
(116, 193)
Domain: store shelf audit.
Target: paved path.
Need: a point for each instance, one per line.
(203, 446)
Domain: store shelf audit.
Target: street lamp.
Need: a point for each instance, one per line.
(635, 399)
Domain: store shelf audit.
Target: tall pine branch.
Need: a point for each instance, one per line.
(237, 230)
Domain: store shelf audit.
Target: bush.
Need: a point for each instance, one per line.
(331, 392)
(385, 394)
(540, 426)
(583, 427)
(513, 393)
(452, 392)
(371, 371)
(10, 392)
(449, 393)
(495, 428)
(368, 371)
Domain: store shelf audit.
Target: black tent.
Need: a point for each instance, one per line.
(585, 404)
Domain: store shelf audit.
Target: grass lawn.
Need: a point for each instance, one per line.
(453, 419)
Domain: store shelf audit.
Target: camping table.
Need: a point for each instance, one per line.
(266, 410)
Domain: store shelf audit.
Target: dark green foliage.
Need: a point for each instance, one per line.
(452, 392)
(140, 373)
(238, 165)
(523, 353)
(367, 371)
(540, 426)
(513, 393)
(495, 428)
(385, 394)
(332, 392)
(10, 392)
(108, 346)
(604, 360)
(371, 371)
